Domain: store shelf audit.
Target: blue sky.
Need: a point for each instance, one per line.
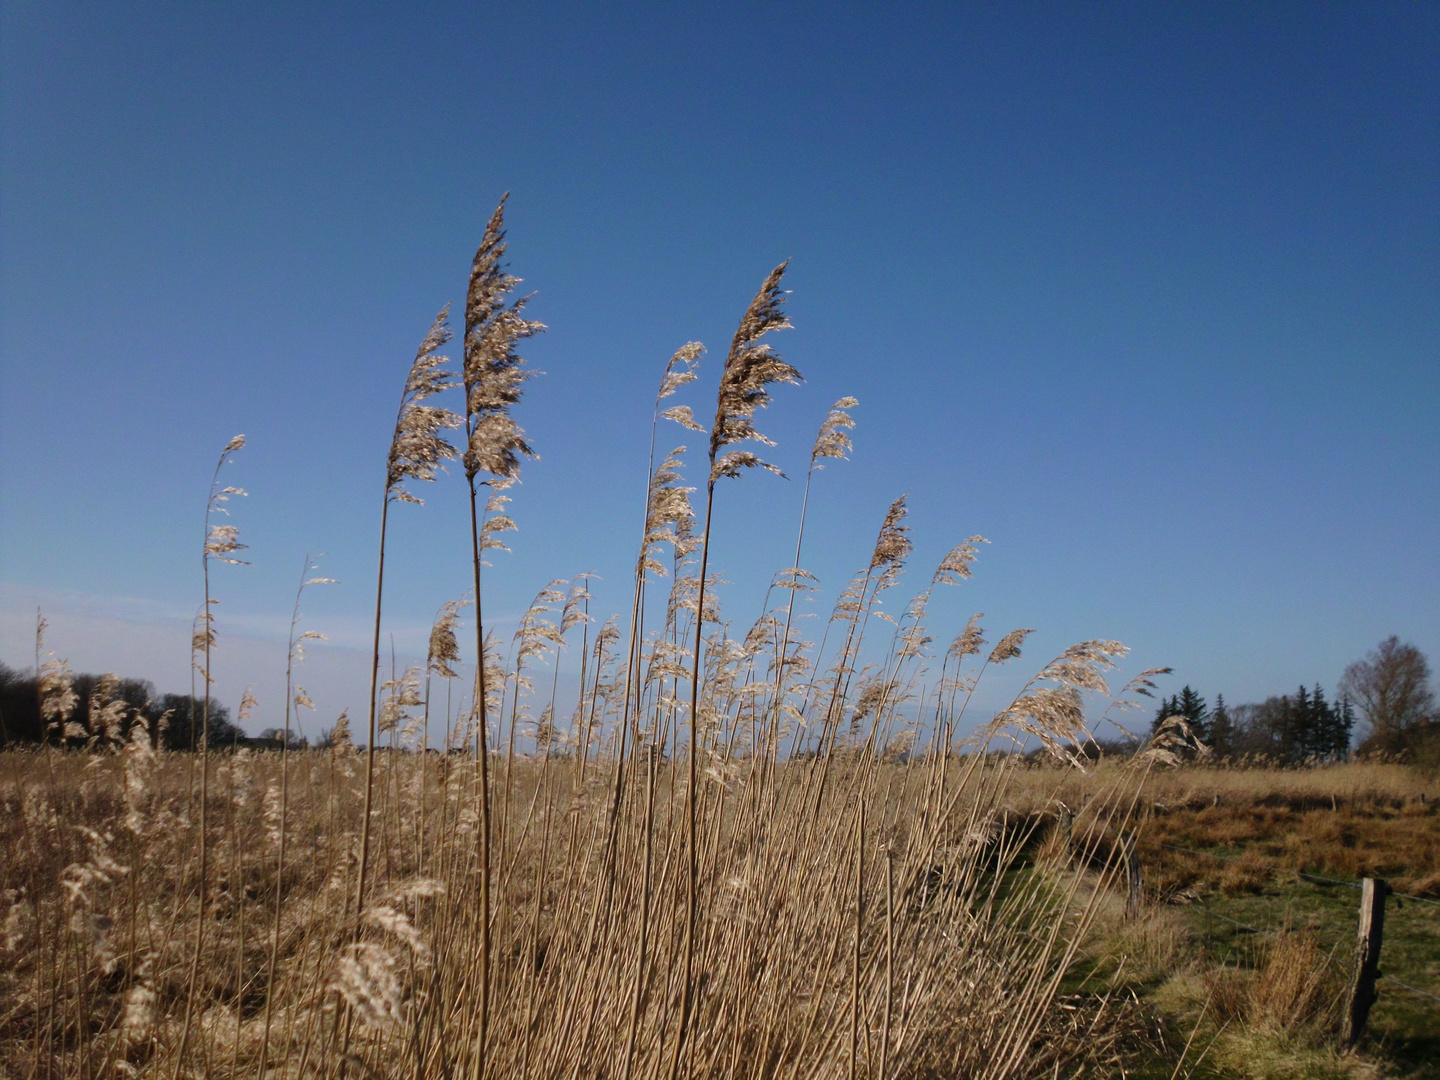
(1147, 294)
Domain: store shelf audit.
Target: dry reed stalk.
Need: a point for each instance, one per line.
(667, 511)
(892, 547)
(221, 541)
(417, 451)
(295, 699)
(749, 368)
(832, 441)
(859, 933)
(494, 377)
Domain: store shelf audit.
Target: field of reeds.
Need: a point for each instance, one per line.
(913, 917)
(875, 919)
(726, 857)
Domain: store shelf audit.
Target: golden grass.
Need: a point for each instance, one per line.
(916, 937)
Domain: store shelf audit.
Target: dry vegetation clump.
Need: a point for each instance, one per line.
(1280, 1014)
(1292, 990)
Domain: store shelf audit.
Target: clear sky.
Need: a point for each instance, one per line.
(1147, 294)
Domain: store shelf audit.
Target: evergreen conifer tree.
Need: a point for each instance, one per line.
(1344, 728)
(1168, 707)
(1222, 730)
(1192, 706)
(1319, 732)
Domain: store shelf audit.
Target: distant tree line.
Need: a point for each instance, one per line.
(1389, 690)
(1288, 727)
(105, 708)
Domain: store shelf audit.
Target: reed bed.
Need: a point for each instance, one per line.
(900, 930)
(739, 857)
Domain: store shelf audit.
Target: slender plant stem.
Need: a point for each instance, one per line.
(484, 756)
(362, 880)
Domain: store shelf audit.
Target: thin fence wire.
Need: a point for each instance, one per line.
(1413, 989)
(1243, 926)
(1415, 899)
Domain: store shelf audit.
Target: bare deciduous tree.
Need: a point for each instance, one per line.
(1391, 686)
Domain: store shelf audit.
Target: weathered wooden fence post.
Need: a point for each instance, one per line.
(1133, 883)
(1067, 829)
(1367, 959)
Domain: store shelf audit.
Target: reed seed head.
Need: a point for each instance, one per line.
(444, 646)
(955, 567)
(751, 366)
(417, 449)
(893, 543)
(57, 693)
(683, 368)
(1009, 646)
(494, 374)
(969, 640)
(833, 440)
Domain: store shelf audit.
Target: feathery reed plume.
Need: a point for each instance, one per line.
(576, 612)
(852, 609)
(139, 777)
(1008, 647)
(666, 511)
(1054, 715)
(106, 711)
(340, 734)
(955, 567)
(444, 649)
(892, 545)
(833, 438)
(494, 376)
(417, 452)
(1142, 684)
(535, 637)
(966, 643)
(398, 696)
(54, 689)
(221, 543)
(750, 367)
(495, 520)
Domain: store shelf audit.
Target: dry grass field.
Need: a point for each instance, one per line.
(914, 918)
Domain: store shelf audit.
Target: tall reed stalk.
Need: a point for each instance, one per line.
(750, 367)
(418, 451)
(221, 541)
(494, 376)
(295, 699)
(831, 441)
